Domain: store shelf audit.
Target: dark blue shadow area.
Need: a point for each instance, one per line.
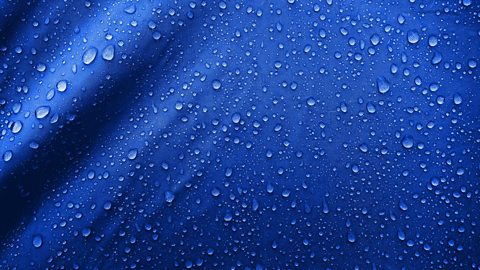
(239, 135)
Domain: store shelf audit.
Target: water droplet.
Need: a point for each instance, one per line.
(34, 145)
(41, 67)
(228, 172)
(457, 99)
(62, 86)
(383, 85)
(42, 111)
(432, 41)
(132, 154)
(325, 209)
(16, 127)
(269, 188)
(215, 192)
(407, 142)
(363, 147)
(311, 101)
(37, 241)
(228, 217)
(107, 205)
(89, 55)
(255, 205)
(216, 84)
(403, 206)
(86, 232)
(466, 2)
(437, 58)
(236, 118)
(401, 234)
(130, 9)
(413, 36)
(7, 156)
(108, 53)
(351, 237)
(472, 63)
(375, 39)
(169, 196)
(371, 107)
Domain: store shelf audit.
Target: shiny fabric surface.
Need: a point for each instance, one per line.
(239, 134)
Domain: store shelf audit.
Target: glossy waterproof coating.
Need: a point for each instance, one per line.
(266, 134)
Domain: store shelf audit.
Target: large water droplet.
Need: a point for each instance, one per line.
(383, 85)
(42, 111)
(236, 118)
(16, 127)
(311, 102)
(216, 84)
(7, 156)
(407, 142)
(169, 196)
(403, 206)
(401, 235)
(89, 56)
(371, 107)
(351, 237)
(62, 86)
(437, 58)
(215, 192)
(130, 9)
(86, 232)
(432, 41)
(37, 241)
(457, 99)
(132, 154)
(108, 52)
(413, 37)
(228, 217)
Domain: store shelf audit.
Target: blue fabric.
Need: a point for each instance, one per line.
(239, 134)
